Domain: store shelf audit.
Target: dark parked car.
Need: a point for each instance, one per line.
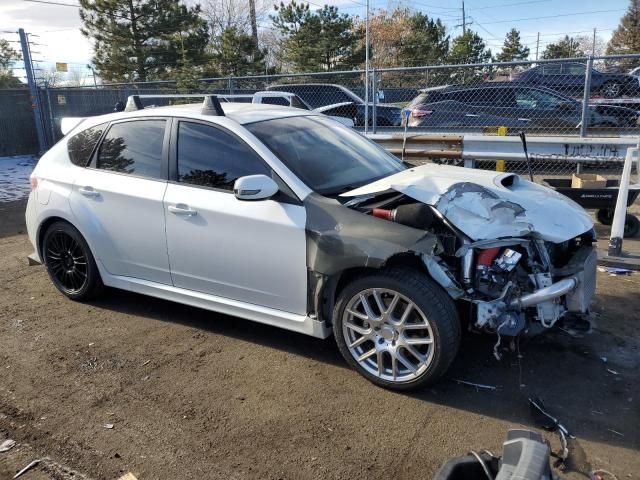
(343, 103)
(568, 78)
(511, 105)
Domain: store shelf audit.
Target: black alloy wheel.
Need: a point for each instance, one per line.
(69, 262)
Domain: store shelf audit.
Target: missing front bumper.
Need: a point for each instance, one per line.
(551, 300)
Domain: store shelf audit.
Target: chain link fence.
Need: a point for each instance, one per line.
(592, 97)
(546, 97)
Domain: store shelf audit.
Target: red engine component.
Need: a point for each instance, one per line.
(487, 256)
(384, 213)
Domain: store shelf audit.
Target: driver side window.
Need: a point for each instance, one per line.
(536, 99)
(210, 157)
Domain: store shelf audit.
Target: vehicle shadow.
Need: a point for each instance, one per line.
(566, 372)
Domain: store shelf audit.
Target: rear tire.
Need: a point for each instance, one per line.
(605, 216)
(631, 226)
(403, 335)
(69, 262)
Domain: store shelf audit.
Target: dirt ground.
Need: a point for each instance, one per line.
(192, 394)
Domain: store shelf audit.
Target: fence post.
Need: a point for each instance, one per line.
(584, 123)
(33, 90)
(374, 98)
(620, 212)
(50, 108)
(366, 100)
(231, 85)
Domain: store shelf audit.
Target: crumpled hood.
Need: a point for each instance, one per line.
(488, 205)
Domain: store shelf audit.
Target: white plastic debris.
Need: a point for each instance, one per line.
(7, 445)
(477, 385)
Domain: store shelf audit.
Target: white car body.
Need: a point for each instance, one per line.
(279, 260)
(267, 285)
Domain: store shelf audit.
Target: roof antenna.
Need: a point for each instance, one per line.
(133, 103)
(523, 139)
(211, 106)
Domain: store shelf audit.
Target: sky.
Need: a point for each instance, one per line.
(59, 39)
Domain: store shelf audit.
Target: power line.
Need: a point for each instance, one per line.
(487, 7)
(555, 16)
(480, 25)
(53, 3)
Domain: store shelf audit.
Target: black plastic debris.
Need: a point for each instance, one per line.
(544, 419)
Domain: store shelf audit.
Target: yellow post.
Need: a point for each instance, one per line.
(500, 164)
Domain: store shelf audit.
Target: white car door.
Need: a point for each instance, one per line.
(117, 200)
(252, 251)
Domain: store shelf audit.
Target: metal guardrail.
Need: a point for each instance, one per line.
(549, 155)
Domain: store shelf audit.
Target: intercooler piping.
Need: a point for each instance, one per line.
(545, 294)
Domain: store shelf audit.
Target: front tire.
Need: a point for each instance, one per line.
(69, 262)
(611, 90)
(397, 328)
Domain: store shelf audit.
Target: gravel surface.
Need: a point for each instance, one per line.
(193, 394)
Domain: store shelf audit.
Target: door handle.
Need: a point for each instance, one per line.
(182, 209)
(88, 192)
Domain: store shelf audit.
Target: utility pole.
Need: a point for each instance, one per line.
(537, 46)
(33, 90)
(93, 72)
(464, 20)
(254, 22)
(593, 46)
(366, 70)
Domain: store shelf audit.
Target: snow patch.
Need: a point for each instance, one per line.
(14, 177)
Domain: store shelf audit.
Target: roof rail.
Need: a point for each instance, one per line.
(210, 105)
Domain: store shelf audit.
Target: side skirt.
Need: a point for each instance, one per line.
(269, 316)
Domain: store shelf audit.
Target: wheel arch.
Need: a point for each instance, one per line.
(334, 284)
(50, 220)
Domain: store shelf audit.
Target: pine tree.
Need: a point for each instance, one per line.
(568, 47)
(425, 41)
(321, 40)
(626, 38)
(297, 48)
(513, 49)
(336, 38)
(469, 48)
(235, 54)
(8, 55)
(140, 40)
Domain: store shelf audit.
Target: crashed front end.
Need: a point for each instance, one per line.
(520, 254)
(528, 284)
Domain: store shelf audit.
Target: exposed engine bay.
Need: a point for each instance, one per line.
(513, 285)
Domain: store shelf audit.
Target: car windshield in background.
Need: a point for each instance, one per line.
(327, 156)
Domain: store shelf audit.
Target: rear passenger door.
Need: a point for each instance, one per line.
(117, 200)
(252, 251)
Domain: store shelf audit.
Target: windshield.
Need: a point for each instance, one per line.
(329, 157)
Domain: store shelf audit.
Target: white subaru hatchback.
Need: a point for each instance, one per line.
(286, 217)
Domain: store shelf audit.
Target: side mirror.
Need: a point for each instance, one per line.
(254, 187)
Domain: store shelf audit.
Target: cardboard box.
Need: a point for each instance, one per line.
(588, 180)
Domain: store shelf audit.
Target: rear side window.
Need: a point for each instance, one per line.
(134, 148)
(81, 145)
(211, 157)
(551, 69)
(297, 103)
(317, 95)
(574, 69)
(276, 101)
